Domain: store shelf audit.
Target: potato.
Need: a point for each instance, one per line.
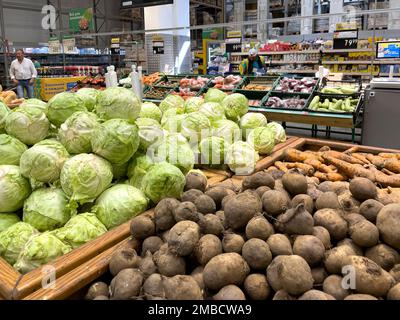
(134, 244)
(295, 275)
(333, 285)
(218, 193)
(224, 269)
(358, 251)
(306, 200)
(211, 224)
(123, 259)
(340, 187)
(283, 295)
(310, 248)
(335, 258)
(196, 180)
(258, 179)
(226, 200)
(363, 189)
(197, 275)
(151, 244)
(327, 200)
(186, 211)
(208, 247)
(153, 287)
(221, 216)
(259, 227)
(273, 273)
(313, 192)
(296, 221)
(205, 204)
(126, 284)
(163, 214)
(370, 209)
(257, 254)
(388, 223)
(183, 237)
(261, 190)
(279, 244)
(240, 209)
(275, 202)
(168, 263)
(394, 293)
(181, 287)
(331, 220)
(369, 277)
(319, 275)
(147, 265)
(353, 218)
(315, 295)
(276, 174)
(383, 255)
(360, 297)
(326, 186)
(395, 273)
(97, 289)
(164, 236)
(101, 298)
(191, 195)
(348, 203)
(364, 233)
(256, 286)
(232, 242)
(295, 183)
(142, 227)
(323, 234)
(230, 292)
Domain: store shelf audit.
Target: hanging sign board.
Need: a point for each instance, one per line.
(233, 43)
(115, 47)
(81, 20)
(345, 39)
(158, 44)
(54, 45)
(68, 44)
(143, 3)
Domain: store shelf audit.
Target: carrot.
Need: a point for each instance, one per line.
(376, 161)
(307, 169)
(350, 170)
(351, 150)
(386, 171)
(389, 155)
(393, 165)
(331, 176)
(361, 158)
(384, 179)
(344, 157)
(294, 155)
(281, 166)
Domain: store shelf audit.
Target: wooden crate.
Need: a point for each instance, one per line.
(15, 286)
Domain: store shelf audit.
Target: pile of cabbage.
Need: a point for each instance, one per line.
(87, 162)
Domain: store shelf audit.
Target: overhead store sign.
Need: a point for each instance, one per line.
(69, 44)
(345, 39)
(158, 44)
(54, 45)
(144, 3)
(81, 20)
(233, 43)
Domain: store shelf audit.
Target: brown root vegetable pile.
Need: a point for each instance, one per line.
(293, 239)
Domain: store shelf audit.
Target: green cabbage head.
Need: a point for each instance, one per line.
(43, 162)
(7, 220)
(80, 229)
(251, 121)
(11, 150)
(262, 139)
(47, 209)
(150, 132)
(118, 103)
(85, 176)
(236, 106)
(279, 132)
(212, 150)
(214, 95)
(173, 123)
(196, 126)
(89, 97)
(34, 103)
(27, 125)
(116, 140)
(39, 250)
(193, 104)
(138, 167)
(13, 240)
(213, 111)
(4, 111)
(76, 133)
(241, 158)
(62, 106)
(163, 180)
(119, 170)
(14, 189)
(119, 204)
(176, 152)
(172, 102)
(150, 110)
(227, 129)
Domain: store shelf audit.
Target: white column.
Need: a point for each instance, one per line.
(307, 8)
(239, 8)
(262, 14)
(394, 17)
(336, 6)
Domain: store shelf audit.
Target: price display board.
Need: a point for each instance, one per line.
(345, 39)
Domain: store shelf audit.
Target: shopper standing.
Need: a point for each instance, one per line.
(23, 73)
(253, 64)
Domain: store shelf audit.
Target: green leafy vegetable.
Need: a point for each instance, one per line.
(172, 102)
(236, 106)
(89, 97)
(262, 139)
(11, 150)
(214, 95)
(150, 110)
(62, 106)
(241, 158)
(7, 220)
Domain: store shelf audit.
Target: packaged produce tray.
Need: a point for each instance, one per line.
(235, 80)
(150, 93)
(256, 94)
(172, 80)
(325, 83)
(285, 96)
(278, 84)
(330, 97)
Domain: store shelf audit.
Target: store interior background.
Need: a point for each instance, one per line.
(184, 25)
